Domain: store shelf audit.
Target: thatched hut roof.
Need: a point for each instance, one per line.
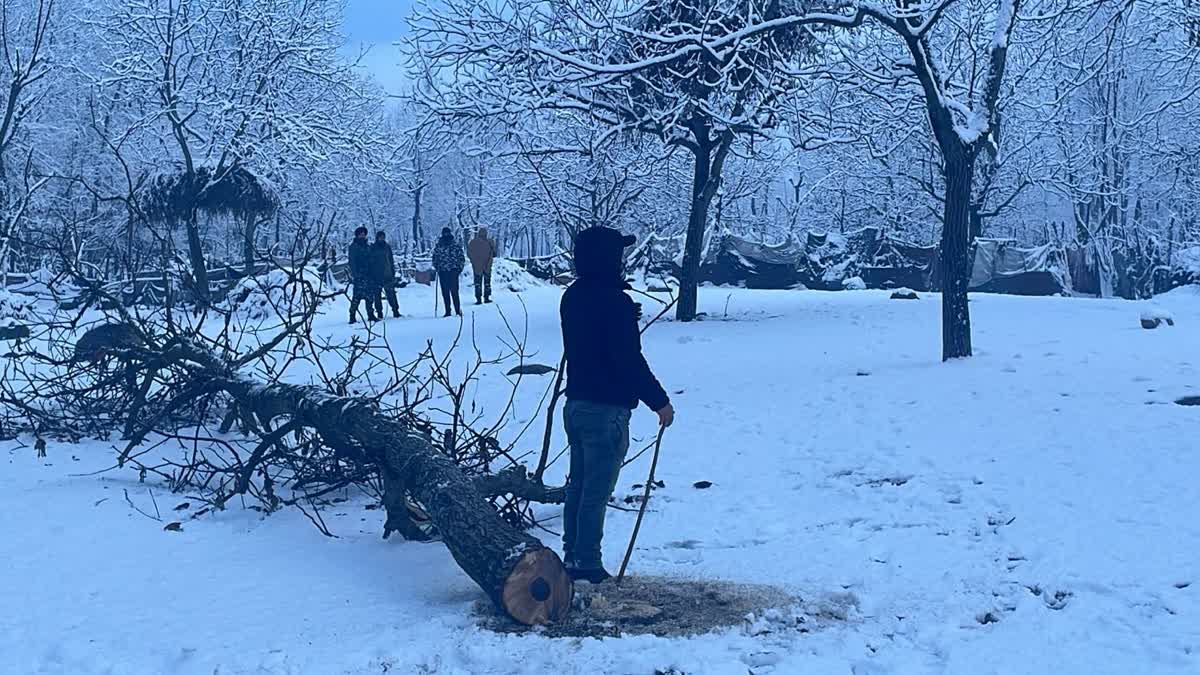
(235, 191)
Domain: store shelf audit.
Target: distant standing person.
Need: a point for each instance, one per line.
(606, 378)
(448, 261)
(383, 275)
(360, 275)
(482, 252)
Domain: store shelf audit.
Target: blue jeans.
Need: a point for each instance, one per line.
(599, 438)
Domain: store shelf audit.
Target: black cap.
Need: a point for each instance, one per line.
(360, 230)
(599, 251)
(605, 237)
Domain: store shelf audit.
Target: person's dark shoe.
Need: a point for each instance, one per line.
(396, 314)
(487, 300)
(478, 301)
(458, 312)
(446, 315)
(353, 321)
(592, 576)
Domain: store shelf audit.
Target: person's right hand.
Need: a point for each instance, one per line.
(666, 415)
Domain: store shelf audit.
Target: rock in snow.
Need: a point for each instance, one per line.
(1154, 317)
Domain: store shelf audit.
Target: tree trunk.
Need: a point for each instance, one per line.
(196, 255)
(130, 263)
(710, 157)
(689, 277)
(520, 575)
(956, 255)
(416, 217)
(4, 244)
(248, 246)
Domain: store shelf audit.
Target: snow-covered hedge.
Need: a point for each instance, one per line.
(16, 307)
(1188, 260)
(507, 274)
(277, 294)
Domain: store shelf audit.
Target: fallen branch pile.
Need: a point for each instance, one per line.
(250, 432)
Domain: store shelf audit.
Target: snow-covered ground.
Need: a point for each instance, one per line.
(1035, 509)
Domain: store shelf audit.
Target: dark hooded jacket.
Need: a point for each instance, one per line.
(360, 261)
(383, 265)
(601, 338)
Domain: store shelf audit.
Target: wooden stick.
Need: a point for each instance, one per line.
(642, 509)
(545, 456)
(660, 315)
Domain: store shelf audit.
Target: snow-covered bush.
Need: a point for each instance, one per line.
(16, 307)
(854, 284)
(277, 294)
(1188, 262)
(508, 274)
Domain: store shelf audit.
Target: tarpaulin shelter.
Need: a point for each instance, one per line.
(732, 260)
(548, 267)
(1000, 266)
(656, 257)
(895, 263)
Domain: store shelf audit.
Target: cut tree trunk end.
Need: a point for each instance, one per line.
(538, 590)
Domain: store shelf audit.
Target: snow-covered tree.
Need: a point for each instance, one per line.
(25, 69)
(689, 75)
(228, 93)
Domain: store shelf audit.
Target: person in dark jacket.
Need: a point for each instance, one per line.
(383, 275)
(607, 377)
(360, 275)
(449, 261)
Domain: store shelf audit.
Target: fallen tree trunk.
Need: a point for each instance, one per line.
(521, 576)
